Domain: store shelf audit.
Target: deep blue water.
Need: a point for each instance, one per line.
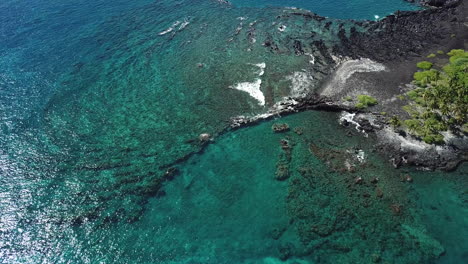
(97, 101)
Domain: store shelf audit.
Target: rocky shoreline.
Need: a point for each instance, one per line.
(398, 41)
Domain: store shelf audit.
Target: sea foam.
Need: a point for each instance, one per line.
(170, 29)
(253, 88)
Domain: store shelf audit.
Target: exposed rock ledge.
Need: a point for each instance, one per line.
(398, 40)
(400, 149)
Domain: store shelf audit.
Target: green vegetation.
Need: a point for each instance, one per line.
(365, 101)
(394, 122)
(424, 78)
(440, 52)
(425, 65)
(440, 101)
(348, 98)
(432, 55)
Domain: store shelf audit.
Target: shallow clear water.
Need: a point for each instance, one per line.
(98, 99)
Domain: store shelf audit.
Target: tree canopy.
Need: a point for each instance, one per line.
(440, 100)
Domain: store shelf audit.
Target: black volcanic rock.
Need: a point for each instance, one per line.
(403, 34)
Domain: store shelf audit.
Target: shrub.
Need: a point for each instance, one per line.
(425, 77)
(460, 61)
(425, 65)
(394, 121)
(365, 101)
(412, 110)
(440, 52)
(456, 54)
(434, 139)
(348, 98)
(432, 55)
(416, 95)
(414, 125)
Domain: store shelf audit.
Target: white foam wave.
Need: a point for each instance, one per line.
(170, 29)
(349, 117)
(253, 89)
(312, 58)
(262, 67)
(361, 155)
(184, 24)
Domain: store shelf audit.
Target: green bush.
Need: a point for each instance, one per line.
(460, 61)
(425, 65)
(348, 98)
(412, 110)
(394, 122)
(425, 77)
(456, 54)
(440, 52)
(432, 55)
(434, 139)
(365, 101)
(414, 125)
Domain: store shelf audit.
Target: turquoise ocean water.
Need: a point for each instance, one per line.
(102, 103)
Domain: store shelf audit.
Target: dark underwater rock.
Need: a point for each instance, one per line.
(277, 232)
(278, 128)
(286, 251)
(282, 172)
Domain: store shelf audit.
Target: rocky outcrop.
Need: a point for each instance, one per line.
(436, 3)
(405, 34)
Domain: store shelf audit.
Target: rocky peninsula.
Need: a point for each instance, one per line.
(391, 49)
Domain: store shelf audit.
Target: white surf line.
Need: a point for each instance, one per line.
(170, 29)
(312, 58)
(184, 24)
(349, 117)
(262, 67)
(253, 88)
